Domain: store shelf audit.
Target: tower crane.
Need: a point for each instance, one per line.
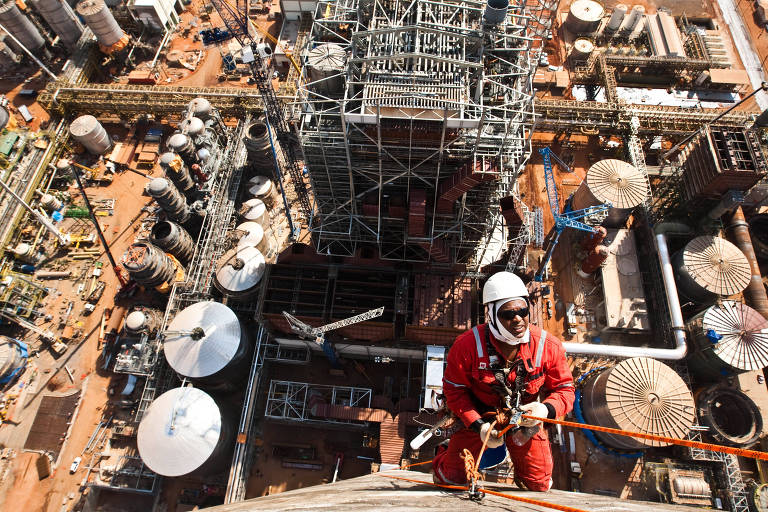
(236, 21)
(317, 334)
(568, 218)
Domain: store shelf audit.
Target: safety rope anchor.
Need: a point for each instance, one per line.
(474, 493)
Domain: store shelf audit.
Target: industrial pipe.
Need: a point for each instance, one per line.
(675, 314)
(754, 295)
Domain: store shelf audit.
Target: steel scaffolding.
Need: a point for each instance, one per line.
(414, 140)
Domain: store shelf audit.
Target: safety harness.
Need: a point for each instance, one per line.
(510, 396)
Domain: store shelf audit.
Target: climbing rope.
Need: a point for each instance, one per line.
(530, 501)
(752, 454)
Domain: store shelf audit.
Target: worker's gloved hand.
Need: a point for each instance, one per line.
(537, 409)
(494, 441)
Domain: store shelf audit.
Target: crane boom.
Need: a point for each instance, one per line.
(351, 320)
(306, 330)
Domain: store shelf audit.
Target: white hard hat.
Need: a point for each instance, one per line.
(503, 285)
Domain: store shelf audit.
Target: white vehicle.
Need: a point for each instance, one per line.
(75, 464)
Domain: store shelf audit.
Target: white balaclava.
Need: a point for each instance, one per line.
(497, 328)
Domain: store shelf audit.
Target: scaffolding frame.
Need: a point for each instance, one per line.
(289, 400)
(428, 91)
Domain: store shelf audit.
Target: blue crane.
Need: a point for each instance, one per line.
(568, 218)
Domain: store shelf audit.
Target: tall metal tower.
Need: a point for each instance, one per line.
(416, 121)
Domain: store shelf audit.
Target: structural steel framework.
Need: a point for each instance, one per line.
(289, 400)
(423, 129)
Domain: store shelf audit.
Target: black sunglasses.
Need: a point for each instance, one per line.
(510, 314)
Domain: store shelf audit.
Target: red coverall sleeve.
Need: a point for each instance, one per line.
(457, 386)
(558, 387)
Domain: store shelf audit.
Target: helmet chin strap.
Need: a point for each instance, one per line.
(497, 328)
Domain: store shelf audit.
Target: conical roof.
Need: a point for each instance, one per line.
(202, 339)
(240, 269)
(254, 234)
(179, 431)
(617, 182)
(744, 331)
(717, 265)
(644, 395)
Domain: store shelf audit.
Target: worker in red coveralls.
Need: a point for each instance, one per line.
(506, 347)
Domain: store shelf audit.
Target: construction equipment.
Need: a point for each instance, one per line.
(318, 333)
(568, 218)
(255, 56)
(57, 346)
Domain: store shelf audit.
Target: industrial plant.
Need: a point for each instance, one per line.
(244, 242)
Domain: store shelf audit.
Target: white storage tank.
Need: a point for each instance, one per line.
(582, 49)
(185, 431)
(61, 19)
(584, 16)
(89, 132)
(617, 17)
(239, 273)
(19, 26)
(206, 343)
(13, 358)
(634, 19)
(255, 210)
(263, 188)
(326, 64)
(101, 22)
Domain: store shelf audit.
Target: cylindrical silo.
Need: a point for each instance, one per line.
(239, 272)
(584, 16)
(633, 19)
(582, 49)
(185, 430)
(709, 267)
(612, 181)
(263, 188)
(61, 19)
(50, 203)
(87, 130)
(640, 395)
(169, 198)
(174, 239)
(143, 320)
(726, 339)
(13, 358)
(617, 17)
(20, 27)
(594, 259)
(182, 145)
(256, 211)
(149, 265)
(192, 126)
(255, 237)
(732, 417)
(205, 342)
(7, 53)
(101, 22)
(326, 65)
(176, 170)
(495, 11)
(200, 108)
(258, 145)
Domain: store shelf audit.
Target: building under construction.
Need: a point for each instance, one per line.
(303, 263)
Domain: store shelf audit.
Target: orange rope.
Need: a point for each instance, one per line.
(406, 466)
(530, 501)
(753, 454)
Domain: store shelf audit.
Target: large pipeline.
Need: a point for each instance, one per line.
(754, 295)
(675, 314)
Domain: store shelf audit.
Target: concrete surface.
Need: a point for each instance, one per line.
(376, 492)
